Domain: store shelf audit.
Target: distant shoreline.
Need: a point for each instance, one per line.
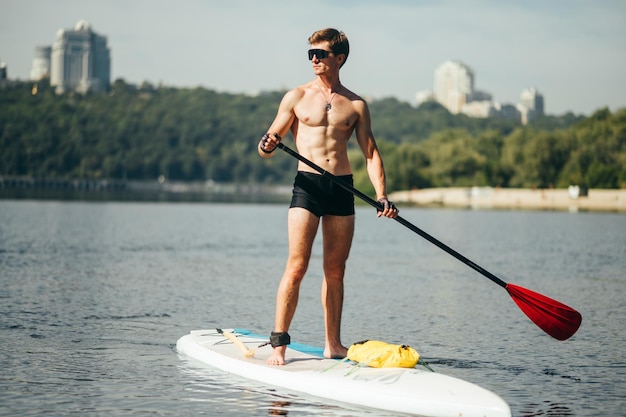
(600, 200)
(515, 198)
(132, 190)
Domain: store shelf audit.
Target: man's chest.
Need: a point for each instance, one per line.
(336, 114)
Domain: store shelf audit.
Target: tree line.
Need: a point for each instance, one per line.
(145, 132)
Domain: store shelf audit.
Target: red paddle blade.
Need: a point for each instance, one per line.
(553, 317)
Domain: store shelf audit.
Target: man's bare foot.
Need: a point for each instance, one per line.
(338, 352)
(278, 356)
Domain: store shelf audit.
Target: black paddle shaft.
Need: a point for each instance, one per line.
(399, 219)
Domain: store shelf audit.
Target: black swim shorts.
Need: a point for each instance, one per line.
(321, 196)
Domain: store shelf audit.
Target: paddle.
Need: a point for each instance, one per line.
(553, 317)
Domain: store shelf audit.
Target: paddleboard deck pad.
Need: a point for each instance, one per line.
(413, 391)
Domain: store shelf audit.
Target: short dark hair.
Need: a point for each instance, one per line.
(337, 40)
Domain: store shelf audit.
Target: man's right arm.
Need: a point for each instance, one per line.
(283, 121)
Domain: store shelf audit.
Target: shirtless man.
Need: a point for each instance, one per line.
(321, 116)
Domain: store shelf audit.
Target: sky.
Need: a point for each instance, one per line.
(573, 52)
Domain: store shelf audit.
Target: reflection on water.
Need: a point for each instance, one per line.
(548, 409)
(279, 408)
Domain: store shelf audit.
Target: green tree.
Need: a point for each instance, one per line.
(143, 132)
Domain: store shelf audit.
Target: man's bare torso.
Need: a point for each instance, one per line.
(320, 135)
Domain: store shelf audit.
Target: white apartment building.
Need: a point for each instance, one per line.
(531, 104)
(454, 89)
(80, 60)
(41, 63)
(454, 85)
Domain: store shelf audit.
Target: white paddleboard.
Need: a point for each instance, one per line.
(413, 391)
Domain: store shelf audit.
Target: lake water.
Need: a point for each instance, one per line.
(94, 296)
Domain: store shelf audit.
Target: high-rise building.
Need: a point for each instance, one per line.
(532, 100)
(531, 104)
(41, 63)
(454, 89)
(80, 60)
(454, 85)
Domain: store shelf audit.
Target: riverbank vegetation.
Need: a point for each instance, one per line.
(147, 132)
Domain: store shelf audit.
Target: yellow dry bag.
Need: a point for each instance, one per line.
(379, 354)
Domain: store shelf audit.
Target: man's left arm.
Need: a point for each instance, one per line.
(373, 161)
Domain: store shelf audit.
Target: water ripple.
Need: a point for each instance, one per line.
(94, 297)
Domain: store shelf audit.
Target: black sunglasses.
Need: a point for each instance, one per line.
(319, 53)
